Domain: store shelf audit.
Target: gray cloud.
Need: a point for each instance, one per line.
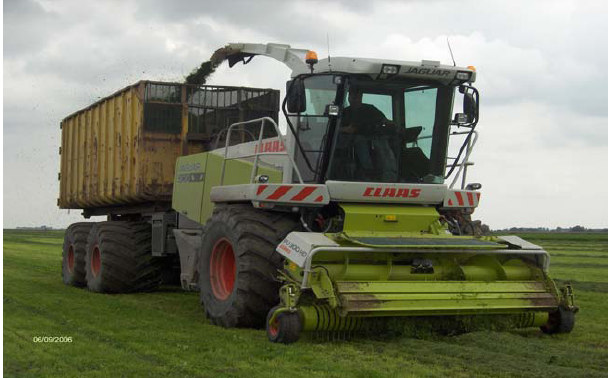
(28, 27)
(293, 21)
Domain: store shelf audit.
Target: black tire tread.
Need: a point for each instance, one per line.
(560, 321)
(76, 235)
(258, 232)
(127, 261)
(290, 326)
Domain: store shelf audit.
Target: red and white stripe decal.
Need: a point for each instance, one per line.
(303, 194)
(459, 197)
(470, 198)
(289, 193)
(261, 189)
(267, 195)
(462, 198)
(279, 192)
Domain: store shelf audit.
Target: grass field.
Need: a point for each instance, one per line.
(165, 333)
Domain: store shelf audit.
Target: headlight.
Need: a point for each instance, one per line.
(390, 69)
(463, 75)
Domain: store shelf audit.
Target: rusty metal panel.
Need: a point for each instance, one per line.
(122, 149)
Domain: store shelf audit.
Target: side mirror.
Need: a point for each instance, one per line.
(296, 96)
(469, 106)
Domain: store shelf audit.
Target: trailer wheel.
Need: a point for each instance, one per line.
(238, 264)
(560, 321)
(119, 258)
(285, 328)
(74, 251)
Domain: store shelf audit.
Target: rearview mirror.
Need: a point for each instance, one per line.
(296, 96)
(469, 106)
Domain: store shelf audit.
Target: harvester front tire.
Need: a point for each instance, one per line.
(238, 264)
(119, 258)
(560, 321)
(286, 327)
(74, 252)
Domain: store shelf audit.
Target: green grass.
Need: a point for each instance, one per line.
(165, 333)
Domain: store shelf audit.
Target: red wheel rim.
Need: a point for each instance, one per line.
(95, 261)
(71, 259)
(222, 269)
(273, 328)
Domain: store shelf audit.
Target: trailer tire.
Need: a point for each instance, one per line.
(238, 264)
(74, 250)
(119, 258)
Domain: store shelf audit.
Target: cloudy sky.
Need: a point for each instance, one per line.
(542, 156)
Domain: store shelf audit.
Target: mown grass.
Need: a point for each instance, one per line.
(165, 333)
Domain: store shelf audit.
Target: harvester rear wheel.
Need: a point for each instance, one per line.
(560, 321)
(285, 328)
(74, 251)
(239, 264)
(119, 258)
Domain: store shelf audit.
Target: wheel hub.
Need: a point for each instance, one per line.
(273, 328)
(71, 259)
(222, 269)
(95, 261)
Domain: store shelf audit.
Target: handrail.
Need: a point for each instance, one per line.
(256, 155)
(465, 162)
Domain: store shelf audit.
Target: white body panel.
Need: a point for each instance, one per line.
(375, 192)
(297, 246)
(342, 191)
(291, 194)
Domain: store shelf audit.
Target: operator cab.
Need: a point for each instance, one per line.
(355, 128)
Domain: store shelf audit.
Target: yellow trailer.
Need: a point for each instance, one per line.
(119, 153)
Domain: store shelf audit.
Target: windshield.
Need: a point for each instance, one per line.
(392, 132)
(312, 125)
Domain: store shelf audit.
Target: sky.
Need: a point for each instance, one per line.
(543, 131)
